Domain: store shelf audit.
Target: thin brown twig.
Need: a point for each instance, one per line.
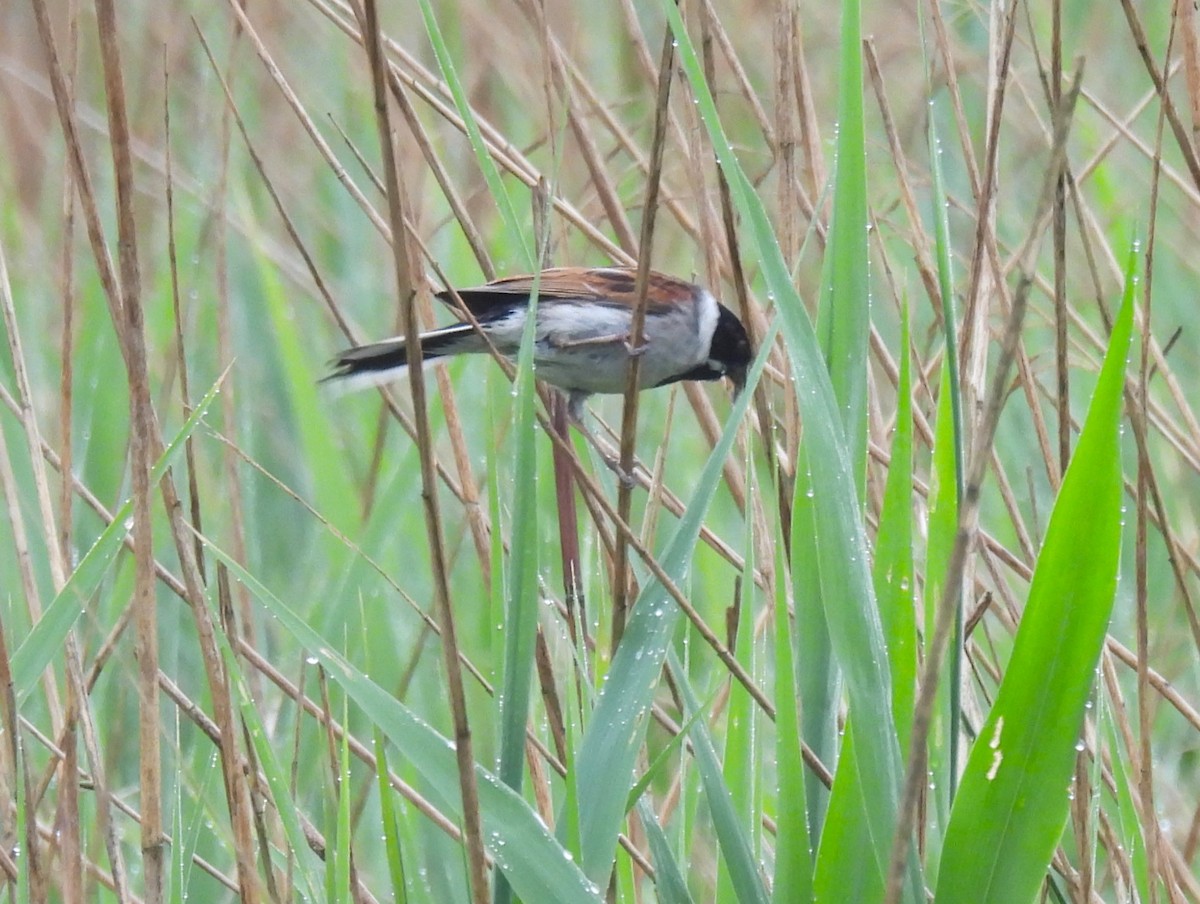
(1145, 771)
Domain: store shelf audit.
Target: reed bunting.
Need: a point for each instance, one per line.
(583, 342)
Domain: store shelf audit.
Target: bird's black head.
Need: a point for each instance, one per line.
(730, 352)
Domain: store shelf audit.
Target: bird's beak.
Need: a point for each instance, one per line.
(737, 376)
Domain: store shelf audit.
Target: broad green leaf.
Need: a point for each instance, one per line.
(845, 833)
(1012, 805)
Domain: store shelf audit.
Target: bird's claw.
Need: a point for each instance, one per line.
(626, 479)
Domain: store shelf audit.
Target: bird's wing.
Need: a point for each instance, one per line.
(614, 286)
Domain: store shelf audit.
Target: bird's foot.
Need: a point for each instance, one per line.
(627, 480)
(611, 458)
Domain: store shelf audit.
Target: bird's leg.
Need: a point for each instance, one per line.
(575, 400)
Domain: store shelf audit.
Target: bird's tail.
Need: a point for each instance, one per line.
(381, 362)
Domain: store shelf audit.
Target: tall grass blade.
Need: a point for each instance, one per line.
(522, 600)
(816, 666)
(391, 825)
(843, 324)
(895, 587)
(841, 548)
(954, 437)
(844, 314)
(741, 766)
(669, 881)
(340, 872)
(893, 577)
(1012, 805)
(793, 849)
(736, 852)
(943, 527)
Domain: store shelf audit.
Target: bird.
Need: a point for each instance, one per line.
(583, 342)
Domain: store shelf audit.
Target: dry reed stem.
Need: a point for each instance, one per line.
(752, 319)
(602, 182)
(622, 575)
(67, 294)
(141, 460)
(920, 238)
(1062, 374)
(1185, 14)
(407, 289)
(229, 400)
(1145, 773)
(1182, 139)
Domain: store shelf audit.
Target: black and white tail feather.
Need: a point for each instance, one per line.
(365, 366)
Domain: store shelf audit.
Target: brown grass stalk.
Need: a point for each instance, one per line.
(472, 819)
(142, 427)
